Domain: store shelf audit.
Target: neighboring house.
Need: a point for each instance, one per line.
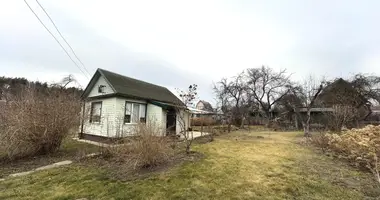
(117, 103)
(204, 113)
(373, 117)
(200, 113)
(204, 105)
(318, 116)
(203, 109)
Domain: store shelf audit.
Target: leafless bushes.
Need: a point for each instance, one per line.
(202, 121)
(361, 147)
(36, 122)
(147, 149)
(320, 140)
(341, 116)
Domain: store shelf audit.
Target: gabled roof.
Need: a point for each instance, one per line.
(340, 92)
(206, 106)
(130, 87)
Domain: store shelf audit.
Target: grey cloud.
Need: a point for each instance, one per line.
(95, 51)
(330, 37)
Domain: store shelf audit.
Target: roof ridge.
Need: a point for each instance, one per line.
(100, 69)
(124, 85)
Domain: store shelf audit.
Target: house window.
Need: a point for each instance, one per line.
(96, 112)
(101, 88)
(134, 112)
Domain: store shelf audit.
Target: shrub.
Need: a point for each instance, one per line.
(147, 149)
(205, 121)
(359, 146)
(320, 140)
(36, 123)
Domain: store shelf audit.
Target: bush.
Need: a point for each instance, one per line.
(359, 146)
(147, 149)
(205, 121)
(36, 122)
(320, 140)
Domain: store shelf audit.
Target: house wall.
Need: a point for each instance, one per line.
(124, 129)
(156, 116)
(163, 121)
(199, 105)
(106, 90)
(183, 121)
(112, 118)
(106, 127)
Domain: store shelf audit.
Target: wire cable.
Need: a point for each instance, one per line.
(64, 39)
(55, 38)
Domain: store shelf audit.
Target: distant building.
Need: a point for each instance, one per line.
(204, 105)
(205, 112)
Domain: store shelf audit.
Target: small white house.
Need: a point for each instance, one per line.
(116, 104)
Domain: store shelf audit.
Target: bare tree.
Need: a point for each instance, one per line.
(187, 97)
(340, 116)
(231, 95)
(369, 88)
(267, 87)
(223, 105)
(65, 81)
(309, 91)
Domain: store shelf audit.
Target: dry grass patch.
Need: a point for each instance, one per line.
(69, 150)
(275, 167)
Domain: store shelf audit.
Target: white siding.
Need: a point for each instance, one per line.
(163, 121)
(106, 90)
(183, 121)
(107, 125)
(112, 118)
(199, 105)
(156, 116)
(124, 129)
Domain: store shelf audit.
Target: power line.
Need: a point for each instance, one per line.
(64, 39)
(55, 39)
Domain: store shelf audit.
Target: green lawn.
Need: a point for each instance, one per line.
(236, 166)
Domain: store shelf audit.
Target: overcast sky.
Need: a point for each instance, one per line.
(177, 43)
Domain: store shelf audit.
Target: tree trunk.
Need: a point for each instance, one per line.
(267, 118)
(188, 148)
(306, 127)
(242, 122)
(229, 125)
(80, 135)
(296, 122)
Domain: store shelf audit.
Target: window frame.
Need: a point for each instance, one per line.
(131, 111)
(100, 114)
